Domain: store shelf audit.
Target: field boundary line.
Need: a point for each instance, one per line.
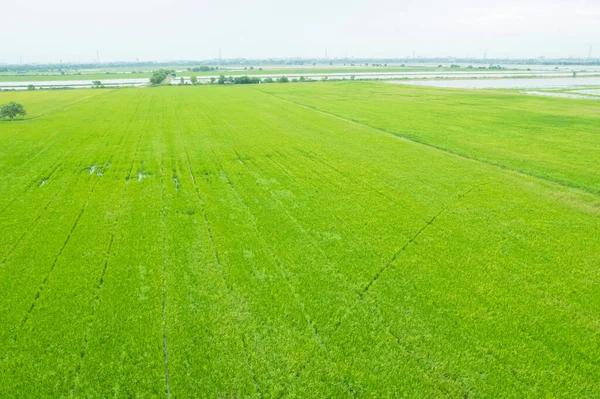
(403, 137)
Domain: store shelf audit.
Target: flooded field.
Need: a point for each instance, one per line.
(507, 83)
(409, 76)
(74, 84)
(559, 94)
(497, 79)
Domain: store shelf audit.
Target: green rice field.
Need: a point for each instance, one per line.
(316, 240)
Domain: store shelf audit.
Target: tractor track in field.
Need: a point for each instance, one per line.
(164, 282)
(243, 338)
(287, 173)
(274, 257)
(389, 264)
(251, 367)
(293, 219)
(46, 176)
(39, 216)
(320, 160)
(321, 344)
(98, 289)
(164, 256)
(30, 228)
(397, 255)
(248, 360)
(400, 136)
(56, 259)
(203, 211)
(41, 288)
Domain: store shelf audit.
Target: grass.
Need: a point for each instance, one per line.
(250, 245)
(39, 103)
(542, 137)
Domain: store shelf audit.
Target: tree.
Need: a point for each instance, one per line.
(31, 87)
(11, 110)
(96, 84)
(245, 80)
(212, 79)
(268, 80)
(194, 80)
(159, 76)
(283, 79)
(203, 68)
(221, 79)
(181, 81)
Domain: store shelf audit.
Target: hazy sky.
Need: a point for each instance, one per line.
(72, 30)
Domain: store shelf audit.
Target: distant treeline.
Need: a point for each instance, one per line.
(215, 64)
(161, 75)
(203, 68)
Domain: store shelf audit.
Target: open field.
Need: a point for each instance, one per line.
(47, 101)
(68, 77)
(300, 240)
(554, 140)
